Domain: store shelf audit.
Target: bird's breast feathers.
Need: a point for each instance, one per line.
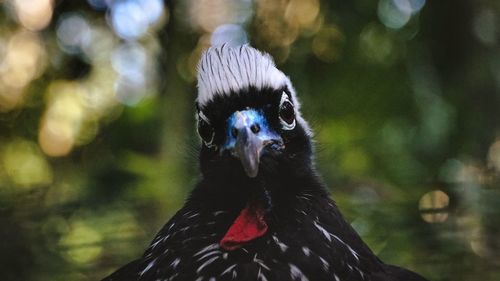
(189, 248)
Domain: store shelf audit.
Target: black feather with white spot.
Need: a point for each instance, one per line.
(307, 239)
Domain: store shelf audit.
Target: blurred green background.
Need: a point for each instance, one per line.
(98, 146)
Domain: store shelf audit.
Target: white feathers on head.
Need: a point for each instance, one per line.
(223, 70)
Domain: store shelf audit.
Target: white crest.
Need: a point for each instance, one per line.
(223, 70)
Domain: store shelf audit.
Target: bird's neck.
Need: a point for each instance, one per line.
(233, 192)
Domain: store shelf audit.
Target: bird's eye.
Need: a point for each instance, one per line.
(286, 113)
(205, 130)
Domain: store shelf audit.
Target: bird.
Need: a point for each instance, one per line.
(260, 209)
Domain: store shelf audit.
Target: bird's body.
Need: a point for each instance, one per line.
(271, 219)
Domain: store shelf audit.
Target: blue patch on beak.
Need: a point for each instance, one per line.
(245, 120)
(248, 133)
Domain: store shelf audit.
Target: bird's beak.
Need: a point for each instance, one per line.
(248, 134)
(248, 149)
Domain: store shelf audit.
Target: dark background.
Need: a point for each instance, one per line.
(98, 143)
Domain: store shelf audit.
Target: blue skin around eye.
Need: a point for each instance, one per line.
(248, 118)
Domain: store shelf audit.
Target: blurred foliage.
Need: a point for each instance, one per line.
(98, 148)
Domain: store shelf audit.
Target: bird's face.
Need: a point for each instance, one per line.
(248, 117)
(253, 131)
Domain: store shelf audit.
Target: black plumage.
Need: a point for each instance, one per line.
(306, 237)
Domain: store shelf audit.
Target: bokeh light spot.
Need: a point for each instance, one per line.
(61, 122)
(326, 44)
(130, 90)
(131, 18)
(207, 15)
(73, 33)
(415, 5)
(24, 164)
(130, 61)
(486, 27)
(153, 9)
(101, 45)
(81, 245)
(34, 14)
(433, 206)
(494, 155)
(397, 13)
(481, 245)
(274, 30)
(24, 59)
(377, 44)
(302, 12)
(354, 161)
(231, 34)
(128, 19)
(394, 13)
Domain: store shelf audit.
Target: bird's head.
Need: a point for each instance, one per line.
(248, 116)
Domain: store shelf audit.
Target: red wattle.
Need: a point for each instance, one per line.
(249, 225)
